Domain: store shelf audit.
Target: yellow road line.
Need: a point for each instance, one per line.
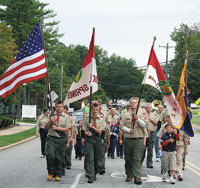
(193, 170)
(193, 165)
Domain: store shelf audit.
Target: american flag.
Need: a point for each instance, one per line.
(28, 65)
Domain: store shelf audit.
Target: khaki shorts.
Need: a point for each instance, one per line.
(169, 160)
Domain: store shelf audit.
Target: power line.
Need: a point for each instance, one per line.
(196, 7)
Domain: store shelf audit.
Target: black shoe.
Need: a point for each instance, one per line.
(138, 181)
(80, 158)
(63, 173)
(95, 178)
(121, 157)
(90, 180)
(112, 157)
(68, 167)
(101, 173)
(129, 178)
(149, 166)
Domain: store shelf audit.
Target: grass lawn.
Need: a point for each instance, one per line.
(195, 120)
(10, 139)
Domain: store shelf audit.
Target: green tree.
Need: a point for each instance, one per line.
(8, 50)
(22, 16)
(176, 66)
(122, 79)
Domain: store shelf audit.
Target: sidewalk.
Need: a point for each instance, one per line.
(16, 128)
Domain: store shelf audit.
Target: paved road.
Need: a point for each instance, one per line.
(22, 167)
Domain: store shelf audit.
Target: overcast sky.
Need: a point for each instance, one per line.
(124, 27)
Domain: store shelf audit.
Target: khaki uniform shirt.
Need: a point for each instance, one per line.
(107, 131)
(104, 115)
(162, 116)
(154, 116)
(63, 119)
(100, 123)
(138, 130)
(42, 121)
(183, 138)
(112, 118)
(70, 124)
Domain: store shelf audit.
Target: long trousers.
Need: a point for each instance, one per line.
(78, 149)
(113, 144)
(157, 151)
(55, 155)
(91, 156)
(43, 138)
(133, 150)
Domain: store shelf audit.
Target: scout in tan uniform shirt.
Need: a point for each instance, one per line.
(70, 135)
(112, 116)
(41, 122)
(105, 139)
(56, 142)
(181, 148)
(152, 125)
(134, 128)
(93, 139)
(160, 119)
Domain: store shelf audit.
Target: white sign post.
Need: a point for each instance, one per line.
(29, 111)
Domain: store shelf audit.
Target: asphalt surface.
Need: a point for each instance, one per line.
(22, 167)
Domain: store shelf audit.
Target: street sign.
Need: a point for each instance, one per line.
(197, 102)
(54, 96)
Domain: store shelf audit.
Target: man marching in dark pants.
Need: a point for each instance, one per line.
(56, 142)
(134, 128)
(41, 122)
(93, 135)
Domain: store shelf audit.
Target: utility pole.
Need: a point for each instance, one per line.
(61, 83)
(166, 65)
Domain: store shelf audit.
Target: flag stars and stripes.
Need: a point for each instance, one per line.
(33, 44)
(29, 64)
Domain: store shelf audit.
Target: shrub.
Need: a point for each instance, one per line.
(5, 121)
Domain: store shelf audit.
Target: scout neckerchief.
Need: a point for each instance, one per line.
(95, 123)
(57, 120)
(133, 120)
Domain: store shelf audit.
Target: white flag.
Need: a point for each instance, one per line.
(86, 78)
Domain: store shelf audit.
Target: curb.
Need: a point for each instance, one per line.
(17, 143)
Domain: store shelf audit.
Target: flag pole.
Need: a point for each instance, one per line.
(48, 80)
(186, 56)
(90, 110)
(154, 39)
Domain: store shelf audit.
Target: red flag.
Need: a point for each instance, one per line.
(28, 65)
(155, 77)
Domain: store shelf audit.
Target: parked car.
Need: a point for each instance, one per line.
(78, 115)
